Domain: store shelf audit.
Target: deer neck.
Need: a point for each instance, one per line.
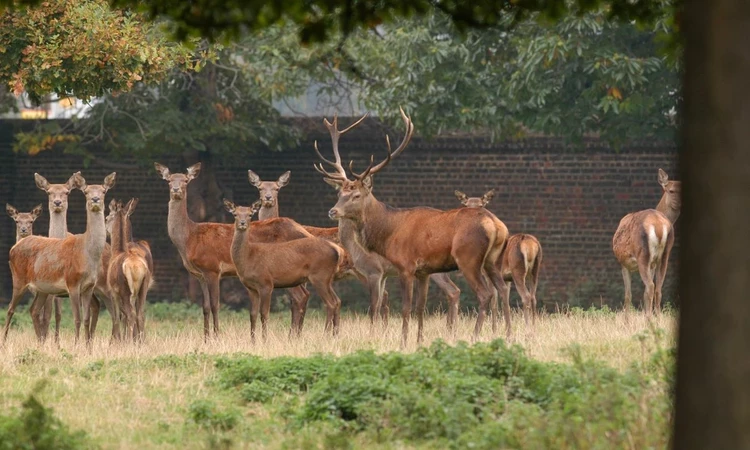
(116, 236)
(179, 224)
(58, 224)
(269, 212)
(127, 231)
(95, 238)
(665, 208)
(238, 243)
(375, 226)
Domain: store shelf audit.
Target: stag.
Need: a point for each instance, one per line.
(520, 263)
(370, 268)
(643, 242)
(420, 241)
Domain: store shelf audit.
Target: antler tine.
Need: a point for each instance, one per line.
(354, 124)
(401, 147)
(368, 170)
(333, 176)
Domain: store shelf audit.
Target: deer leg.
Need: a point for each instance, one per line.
(647, 275)
(58, 318)
(533, 282)
(75, 303)
(214, 292)
(113, 307)
(661, 274)
(37, 311)
(493, 309)
(384, 302)
(423, 284)
(95, 307)
(86, 296)
(265, 307)
(498, 284)
(407, 290)
(18, 293)
(519, 279)
(299, 297)
(375, 287)
(324, 288)
(452, 294)
(206, 308)
(628, 288)
(254, 309)
(140, 309)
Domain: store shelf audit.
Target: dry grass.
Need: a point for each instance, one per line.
(126, 396)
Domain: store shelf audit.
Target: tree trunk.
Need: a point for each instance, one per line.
(713, 374)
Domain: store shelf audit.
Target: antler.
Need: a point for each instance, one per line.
(340, 173)
(407, 137)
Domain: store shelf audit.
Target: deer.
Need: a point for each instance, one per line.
(262, 266)
(69, 265)
(520, 263)
(131, 268)
(205, 248)
(420, 241)
(24, 221)
(643, 241)
(41, 308)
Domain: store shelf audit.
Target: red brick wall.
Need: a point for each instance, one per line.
(571, 199)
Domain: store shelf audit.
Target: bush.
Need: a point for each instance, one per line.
(205, 414)
(480, 396)
(36, 427)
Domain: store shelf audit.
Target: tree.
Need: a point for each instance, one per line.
(81, 48)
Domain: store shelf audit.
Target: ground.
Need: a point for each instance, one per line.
(157, 395)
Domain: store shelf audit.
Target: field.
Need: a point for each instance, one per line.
(585, 379)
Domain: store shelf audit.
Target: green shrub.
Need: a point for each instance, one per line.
(205, 414)
(36, 427)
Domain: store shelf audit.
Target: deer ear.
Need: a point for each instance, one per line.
(113, 205)
(41, 182)
(12, 212)
(163, 170)
(284, 178)
(256, 207)
(367, 182)
(193, 171)
(331, 182)
(663, 177)
(229, 206)
(130, 208)
(460, 196)
(109, 181)
(254, 178)
(487, 197)
(37, 211)
(78, 182)
(71, 183)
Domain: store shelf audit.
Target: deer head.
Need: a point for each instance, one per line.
(354, 194)
(114, 209)
(671, 192)
(94, 192)
(178, 181)
(269, 190)
(242, 214)
(24, 221)
(57, 193)
(475, 202)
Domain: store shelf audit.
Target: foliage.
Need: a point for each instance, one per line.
(36, 427)
(480, 396)
(82, 48)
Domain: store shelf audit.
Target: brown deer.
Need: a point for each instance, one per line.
(263, 266)
(374, 267)
(643, 242)
(421, 241)
(71, 265)
(205, 248)
(520, 263)
(41, 308)
(24, 221)
(131, 270)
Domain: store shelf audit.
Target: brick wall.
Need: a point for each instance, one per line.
(571, 199)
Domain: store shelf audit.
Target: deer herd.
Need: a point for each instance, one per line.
(372, 241)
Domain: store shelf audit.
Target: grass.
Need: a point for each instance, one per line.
(165, 393)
